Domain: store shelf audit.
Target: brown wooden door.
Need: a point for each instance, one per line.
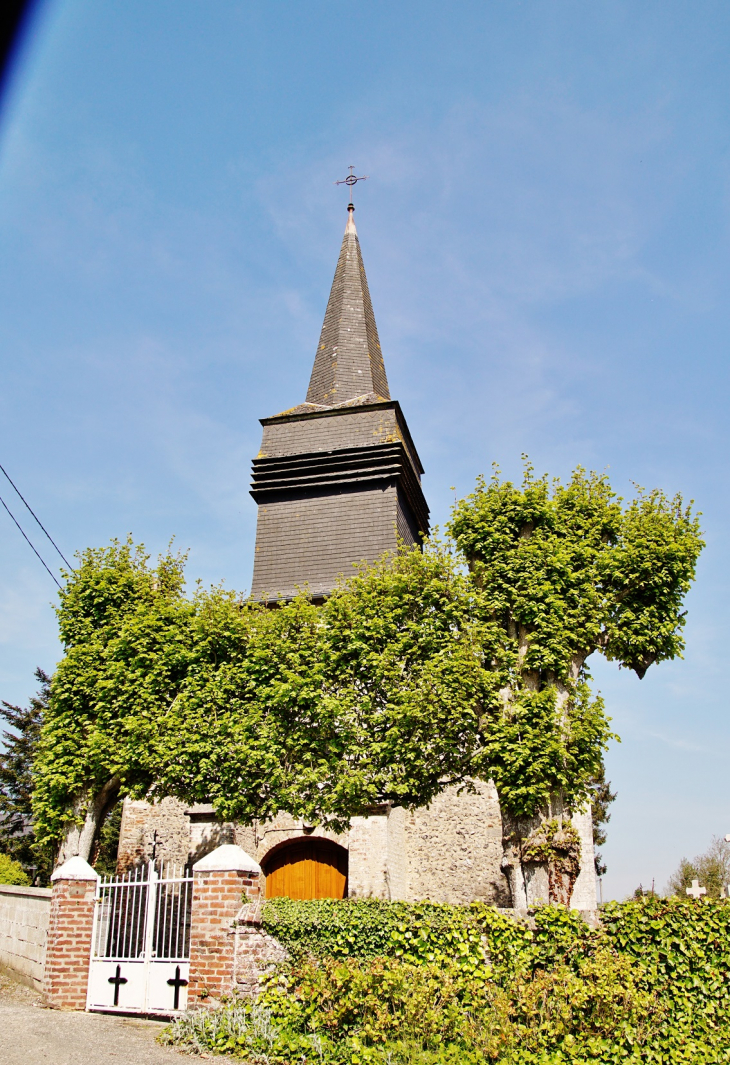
(307, 869)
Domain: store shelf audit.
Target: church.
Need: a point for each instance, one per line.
(338, 480)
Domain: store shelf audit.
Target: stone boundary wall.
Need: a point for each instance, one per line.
(24, 916)
(255, 952)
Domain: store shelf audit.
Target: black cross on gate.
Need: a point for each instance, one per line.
(117, 979)
(177, 983)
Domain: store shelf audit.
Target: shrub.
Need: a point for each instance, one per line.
(12, 872)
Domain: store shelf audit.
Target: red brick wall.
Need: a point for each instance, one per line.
(68, 946)
(218, 896)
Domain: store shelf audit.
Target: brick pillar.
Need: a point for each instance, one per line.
(224, 881)
(68, 946)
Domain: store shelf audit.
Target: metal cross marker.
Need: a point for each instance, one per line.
(117, 979)
(177, 983)
(696, 891)
(351, 181)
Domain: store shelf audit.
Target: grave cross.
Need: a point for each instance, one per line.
(117, 979)
(696, 891)
(177, 983)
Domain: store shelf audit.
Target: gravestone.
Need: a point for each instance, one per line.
(696, 891)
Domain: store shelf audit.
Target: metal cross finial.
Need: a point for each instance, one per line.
(351, 181)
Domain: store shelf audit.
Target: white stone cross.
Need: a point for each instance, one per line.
(696, 891)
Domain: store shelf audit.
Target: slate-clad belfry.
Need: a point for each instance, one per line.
(338, 478)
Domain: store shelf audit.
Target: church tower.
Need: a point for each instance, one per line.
(337, 481)
(338, 478)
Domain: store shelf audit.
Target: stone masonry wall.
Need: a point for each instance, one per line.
(453, 849)
(368, 857)
(145, 825)
(450, 851)
(24, 916)
(255, 951)
(172, 831)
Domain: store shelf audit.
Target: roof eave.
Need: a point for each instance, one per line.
(386, 404)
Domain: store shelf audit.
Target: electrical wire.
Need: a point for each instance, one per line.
(26, 538)
(17, 490)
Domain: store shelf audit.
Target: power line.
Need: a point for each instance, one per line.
(26, 538)
(36, 518)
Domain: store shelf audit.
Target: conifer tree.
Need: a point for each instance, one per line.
(17, 838)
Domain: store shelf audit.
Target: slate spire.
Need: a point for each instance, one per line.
(349, 362)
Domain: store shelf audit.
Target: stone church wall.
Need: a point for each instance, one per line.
(161, 828)
(453, 849)
(450, 851)
(369, 857)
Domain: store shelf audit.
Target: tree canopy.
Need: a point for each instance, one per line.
(464, 660)
(562, 571)
(374, 697)
(711, 869)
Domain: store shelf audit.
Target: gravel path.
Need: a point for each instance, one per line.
(32, 1035)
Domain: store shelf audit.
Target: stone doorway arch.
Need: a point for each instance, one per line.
(306, 868)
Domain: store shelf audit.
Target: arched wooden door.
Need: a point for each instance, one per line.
(307, 869)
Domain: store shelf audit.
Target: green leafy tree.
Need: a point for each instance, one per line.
(416, 673)
(319, 711)
(564, 571)
(711, 869)
(124, 627)
(376, 696)
(12, 872)
(20, 741)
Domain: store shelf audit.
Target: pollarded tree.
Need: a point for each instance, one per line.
(376, 696)
(564, 571)
(318, 711)
(125, 630)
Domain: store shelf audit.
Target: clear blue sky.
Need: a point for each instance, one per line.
(546, 236)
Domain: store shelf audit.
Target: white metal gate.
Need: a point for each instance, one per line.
(140, 947)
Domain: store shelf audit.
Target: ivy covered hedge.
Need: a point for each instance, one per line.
(415, 932)
(376, 983)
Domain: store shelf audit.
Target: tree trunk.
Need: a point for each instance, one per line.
(528, 880)
(90, 812)
(542, 857)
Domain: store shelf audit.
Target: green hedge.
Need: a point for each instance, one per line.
(425, 932)
(377, 983)
(678, 951)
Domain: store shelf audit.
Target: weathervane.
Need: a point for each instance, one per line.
(351, 181)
